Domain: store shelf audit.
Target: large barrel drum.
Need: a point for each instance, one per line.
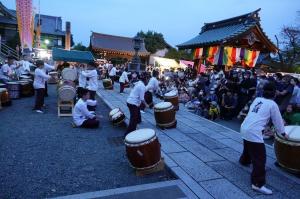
(164, 114)
(107, 84)
(69, 74)
(53, 78)
(26, 88)
(288, 150)
(172, 97)
(116, 116)
(143, 149)
(14, 90)
(66, 90)
(4, 97)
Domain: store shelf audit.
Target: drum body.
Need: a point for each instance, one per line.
(107, 84)
(26, 88)
(69, 74)
(288, 151)
(54, 78)
(66, 90)
(117, 116)
(143, 149)
(164, 114)
(14, 89)
(173, 98)
(5, 99)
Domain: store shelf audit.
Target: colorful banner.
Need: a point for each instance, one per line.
(25, 22)
(212, 51)
(228, 56)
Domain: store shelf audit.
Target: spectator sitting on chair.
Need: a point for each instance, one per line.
(82, 117)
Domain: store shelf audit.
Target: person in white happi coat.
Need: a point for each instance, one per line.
(123, 80)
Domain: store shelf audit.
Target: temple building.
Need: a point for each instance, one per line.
(238, 41)
(117, 49)
(52, 33)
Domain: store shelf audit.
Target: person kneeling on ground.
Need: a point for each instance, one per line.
(82, 117)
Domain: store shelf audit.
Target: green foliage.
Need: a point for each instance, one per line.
(179, 54)
(80, 46)
(153, 41)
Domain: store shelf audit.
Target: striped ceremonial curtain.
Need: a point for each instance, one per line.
(25, 22)
(251, 57)
(198, 53)
(212, 52)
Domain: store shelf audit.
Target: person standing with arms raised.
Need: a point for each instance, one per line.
(262, 110)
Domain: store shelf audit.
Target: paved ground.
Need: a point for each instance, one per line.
(41, 155)
(204, 155)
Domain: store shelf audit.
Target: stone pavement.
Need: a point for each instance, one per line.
(204, 155)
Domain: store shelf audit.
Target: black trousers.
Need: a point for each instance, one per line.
(122, 86)
(79, 92)
(135, 117)
(90, 123)
(39, 98)
(255, 153)
(46, 89)
(112, 79)
(92, 97)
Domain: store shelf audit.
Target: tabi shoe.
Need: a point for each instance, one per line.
(262, 189)
(39, 111)
(142, 111)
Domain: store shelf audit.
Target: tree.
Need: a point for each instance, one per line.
(153, 41)
(80, 46)
(173, 53)
(289, 46)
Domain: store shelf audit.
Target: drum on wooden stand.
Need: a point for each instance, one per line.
(116, 116)
(172, 97)
(66, 90)
(287, 151)
(143, 149)
(69, 74)
(107, 84)
(4, 97)
(14, 89)
(54, 78)
(164, 114)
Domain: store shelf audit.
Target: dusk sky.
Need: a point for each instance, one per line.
(177, 20)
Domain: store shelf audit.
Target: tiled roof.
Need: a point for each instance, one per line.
(220, 32)
(72, 55)
(114, 43)
(50, 24)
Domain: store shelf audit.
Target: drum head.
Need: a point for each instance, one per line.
(116, 115)
(12, 83)
(25, 77)
(106, 80)
(163, 105)
(114, 111)
(66, 93)
(171, 94)
(139, 136)
(69, 74)
(293, 133)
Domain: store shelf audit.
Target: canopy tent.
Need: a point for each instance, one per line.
(165, 63)
(72, 55)
(185, 63)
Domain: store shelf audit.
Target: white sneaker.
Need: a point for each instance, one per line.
(143, 112)
(262, 189)
(39, 111)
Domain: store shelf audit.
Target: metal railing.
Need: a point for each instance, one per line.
(5, 51)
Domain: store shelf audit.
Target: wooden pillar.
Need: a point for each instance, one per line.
(68, 36)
